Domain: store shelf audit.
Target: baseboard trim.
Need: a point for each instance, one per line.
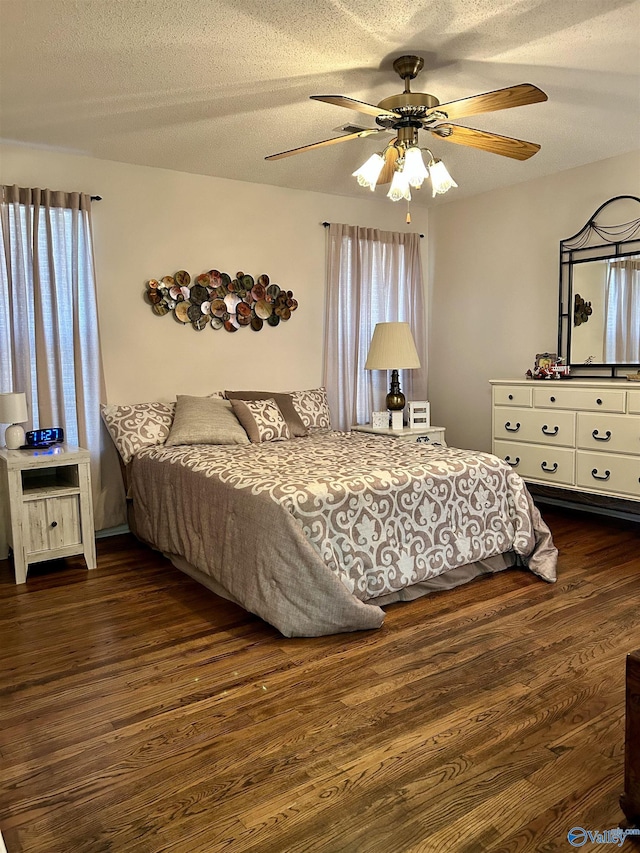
(103, 534)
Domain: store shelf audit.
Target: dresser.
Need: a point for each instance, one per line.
(582, 435)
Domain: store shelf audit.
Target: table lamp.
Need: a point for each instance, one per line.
(393, 348)
(13, 411)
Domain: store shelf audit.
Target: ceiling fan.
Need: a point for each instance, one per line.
(408, 112)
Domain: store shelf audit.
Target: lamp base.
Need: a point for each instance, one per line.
(14, 437)
(395, 398)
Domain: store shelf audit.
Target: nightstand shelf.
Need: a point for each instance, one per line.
(45, 506)
(423, 435)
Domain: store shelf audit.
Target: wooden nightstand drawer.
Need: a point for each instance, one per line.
(53, 523)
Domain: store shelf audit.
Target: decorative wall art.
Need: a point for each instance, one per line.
(217, 300)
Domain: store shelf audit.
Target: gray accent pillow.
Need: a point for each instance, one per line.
(285, 404)
(205, 420)
(262, 419)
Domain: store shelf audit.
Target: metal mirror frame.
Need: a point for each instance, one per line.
(595, 241)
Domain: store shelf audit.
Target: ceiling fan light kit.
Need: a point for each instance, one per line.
(401, 161)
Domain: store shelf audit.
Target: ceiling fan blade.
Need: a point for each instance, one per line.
(390, 157)
(517, 149)
(352, 104)
(332, 141)
(501, 99)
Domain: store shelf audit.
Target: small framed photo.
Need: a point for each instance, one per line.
(419, 414)
(380, 420)
(545, 360)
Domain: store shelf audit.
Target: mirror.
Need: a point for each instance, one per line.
(599, 322)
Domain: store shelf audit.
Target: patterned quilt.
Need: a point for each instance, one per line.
(309, 533)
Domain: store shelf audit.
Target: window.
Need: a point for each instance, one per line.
(372, 277)
(49, 341)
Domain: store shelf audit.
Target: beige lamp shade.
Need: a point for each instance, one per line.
(13, 411)
(392, 348)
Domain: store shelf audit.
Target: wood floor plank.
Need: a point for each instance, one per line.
(140, 713)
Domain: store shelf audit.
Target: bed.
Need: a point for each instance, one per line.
(316, 533)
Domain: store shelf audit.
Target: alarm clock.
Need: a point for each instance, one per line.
(43, 437)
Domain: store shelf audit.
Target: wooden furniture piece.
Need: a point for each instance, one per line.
(579, 435)
(630, 800)
(425, 435)
(45, 506)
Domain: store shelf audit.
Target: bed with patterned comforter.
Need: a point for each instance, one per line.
(315, 535)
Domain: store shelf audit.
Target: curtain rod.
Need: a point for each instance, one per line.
(327, 224)
(96, 198)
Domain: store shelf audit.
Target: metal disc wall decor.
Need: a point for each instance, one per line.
(217, 300)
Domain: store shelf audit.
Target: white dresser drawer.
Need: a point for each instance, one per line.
(533, 462)
(608, 473)
(633, 404)
(511, 395)
(540, 427)
(608, 433)
(584, 399)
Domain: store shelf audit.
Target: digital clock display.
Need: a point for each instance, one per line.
(44, 437)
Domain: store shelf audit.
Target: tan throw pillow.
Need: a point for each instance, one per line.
(205, 420)
(262, 419)
(296, 427)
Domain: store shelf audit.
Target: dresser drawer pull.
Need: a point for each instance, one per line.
(547, 431)
(508, 426)
(549, 470)
(604, 437)
(54, 523)
(511, 396)
(599, 401)
(597, 476)
(552, 399)
(515, 462)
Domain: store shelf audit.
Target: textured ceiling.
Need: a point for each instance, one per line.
(213, 86)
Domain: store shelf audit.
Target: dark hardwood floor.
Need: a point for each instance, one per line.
(139, 713)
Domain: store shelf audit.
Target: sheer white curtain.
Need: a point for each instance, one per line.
(622, 312)
(372, 277)
(49, 339)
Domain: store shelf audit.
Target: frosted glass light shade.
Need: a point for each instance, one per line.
(399, 187)
(441, 180)
(13, 411)
(392, 348)
(369, 172)
(414, 168)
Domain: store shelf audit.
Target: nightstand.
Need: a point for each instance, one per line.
(423, 435)
(46, 510)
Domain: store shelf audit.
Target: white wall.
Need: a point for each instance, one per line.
(492, 262)
(153, 222)
(494, 285)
